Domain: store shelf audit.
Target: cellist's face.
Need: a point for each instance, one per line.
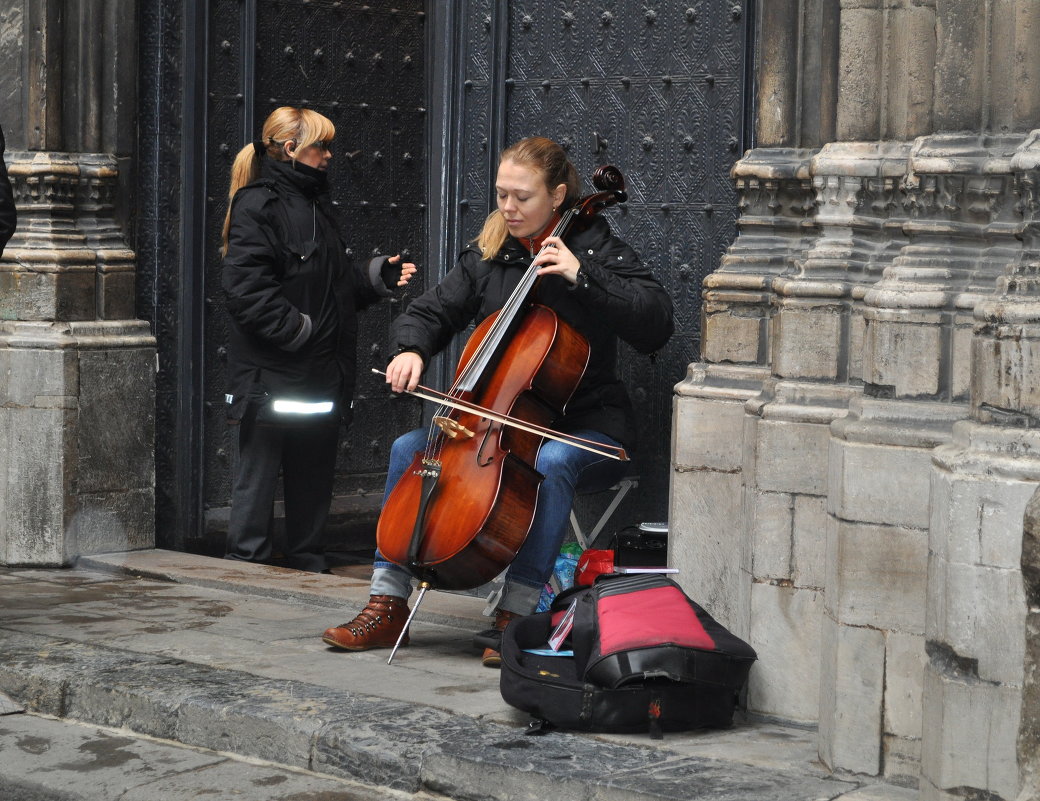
(524, 200)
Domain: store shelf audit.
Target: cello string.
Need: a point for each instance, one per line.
(491, 340)
(489, 343)
(514, 303)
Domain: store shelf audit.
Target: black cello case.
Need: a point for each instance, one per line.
(645, 658)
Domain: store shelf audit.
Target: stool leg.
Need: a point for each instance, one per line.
(623, 487)
(578, 535)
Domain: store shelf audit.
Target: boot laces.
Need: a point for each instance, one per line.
(368, 619)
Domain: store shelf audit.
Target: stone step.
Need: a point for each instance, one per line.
(42, 759)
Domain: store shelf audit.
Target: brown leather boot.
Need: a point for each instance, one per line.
(378, 625)
(491, 657)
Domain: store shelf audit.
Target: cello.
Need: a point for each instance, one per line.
(461, 511)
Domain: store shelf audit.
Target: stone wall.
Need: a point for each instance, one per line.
(854, 455)
(1029, 730)
(77, 390)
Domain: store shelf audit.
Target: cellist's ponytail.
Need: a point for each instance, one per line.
(548, 158)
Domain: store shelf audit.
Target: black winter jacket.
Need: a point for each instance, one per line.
(8, 215)
(292, 293)
(618, 298)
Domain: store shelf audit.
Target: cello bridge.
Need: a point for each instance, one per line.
(451, 427)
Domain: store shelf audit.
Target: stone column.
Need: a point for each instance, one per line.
(708, 411)
(963, 48)
(860, 73)
(978, 612)
(917, 318)
(797, 91)
(1029, 725)
(961, 233)
(909, 69)
(817, 335)
(797, 72)
(777, 99)
(77, 403)
(815, 347)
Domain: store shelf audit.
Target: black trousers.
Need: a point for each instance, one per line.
(306, 458)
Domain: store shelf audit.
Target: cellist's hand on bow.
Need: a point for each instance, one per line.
(404, 371)
(557, 260)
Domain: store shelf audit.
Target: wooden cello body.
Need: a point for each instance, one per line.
(462, 510)
(481, 509)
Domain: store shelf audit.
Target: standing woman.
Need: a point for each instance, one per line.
(593, 281)
(292, 296)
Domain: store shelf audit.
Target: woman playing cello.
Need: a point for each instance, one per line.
(593, 281)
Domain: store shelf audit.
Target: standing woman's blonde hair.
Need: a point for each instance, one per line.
(300, 126)
(544, 156)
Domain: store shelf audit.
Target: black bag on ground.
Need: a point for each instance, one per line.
(645, 658)
(645, 545)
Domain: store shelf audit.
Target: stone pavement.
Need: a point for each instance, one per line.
(227, 657)
(42, 759)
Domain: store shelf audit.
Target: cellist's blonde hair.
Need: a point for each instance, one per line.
(544, 156)
(286, 124)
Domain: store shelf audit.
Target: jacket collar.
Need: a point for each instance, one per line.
(308, 181)
(534, 243)
(592, 235)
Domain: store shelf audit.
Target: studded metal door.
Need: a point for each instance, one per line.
(361, 65)
(424, 95)
(656, 88)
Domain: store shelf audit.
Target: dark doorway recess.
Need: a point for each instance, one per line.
(424, 95)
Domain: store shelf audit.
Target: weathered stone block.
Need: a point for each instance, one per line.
(785, 632)
(730, 337)
(811, 522)
(960, 83)
(901, 760)
(857, 332)
(109, 522)
(116, 300)
(978, 519)
(961, 358)
(34, 508)
(911, 70)
(791, 457)
(807, 340)
(76, 430)
(117, 419)
(851, 692)
(969, 736)
(905, 661)
(877, 576)
(858, 113)
(903, 352)
(67, 294)
(879, 483)
(771, 518)
(1003, 367)
(708, 433)
(979, 614)
(706, 543)
(44, 377)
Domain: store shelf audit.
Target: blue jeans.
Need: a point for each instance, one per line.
(567, 470)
